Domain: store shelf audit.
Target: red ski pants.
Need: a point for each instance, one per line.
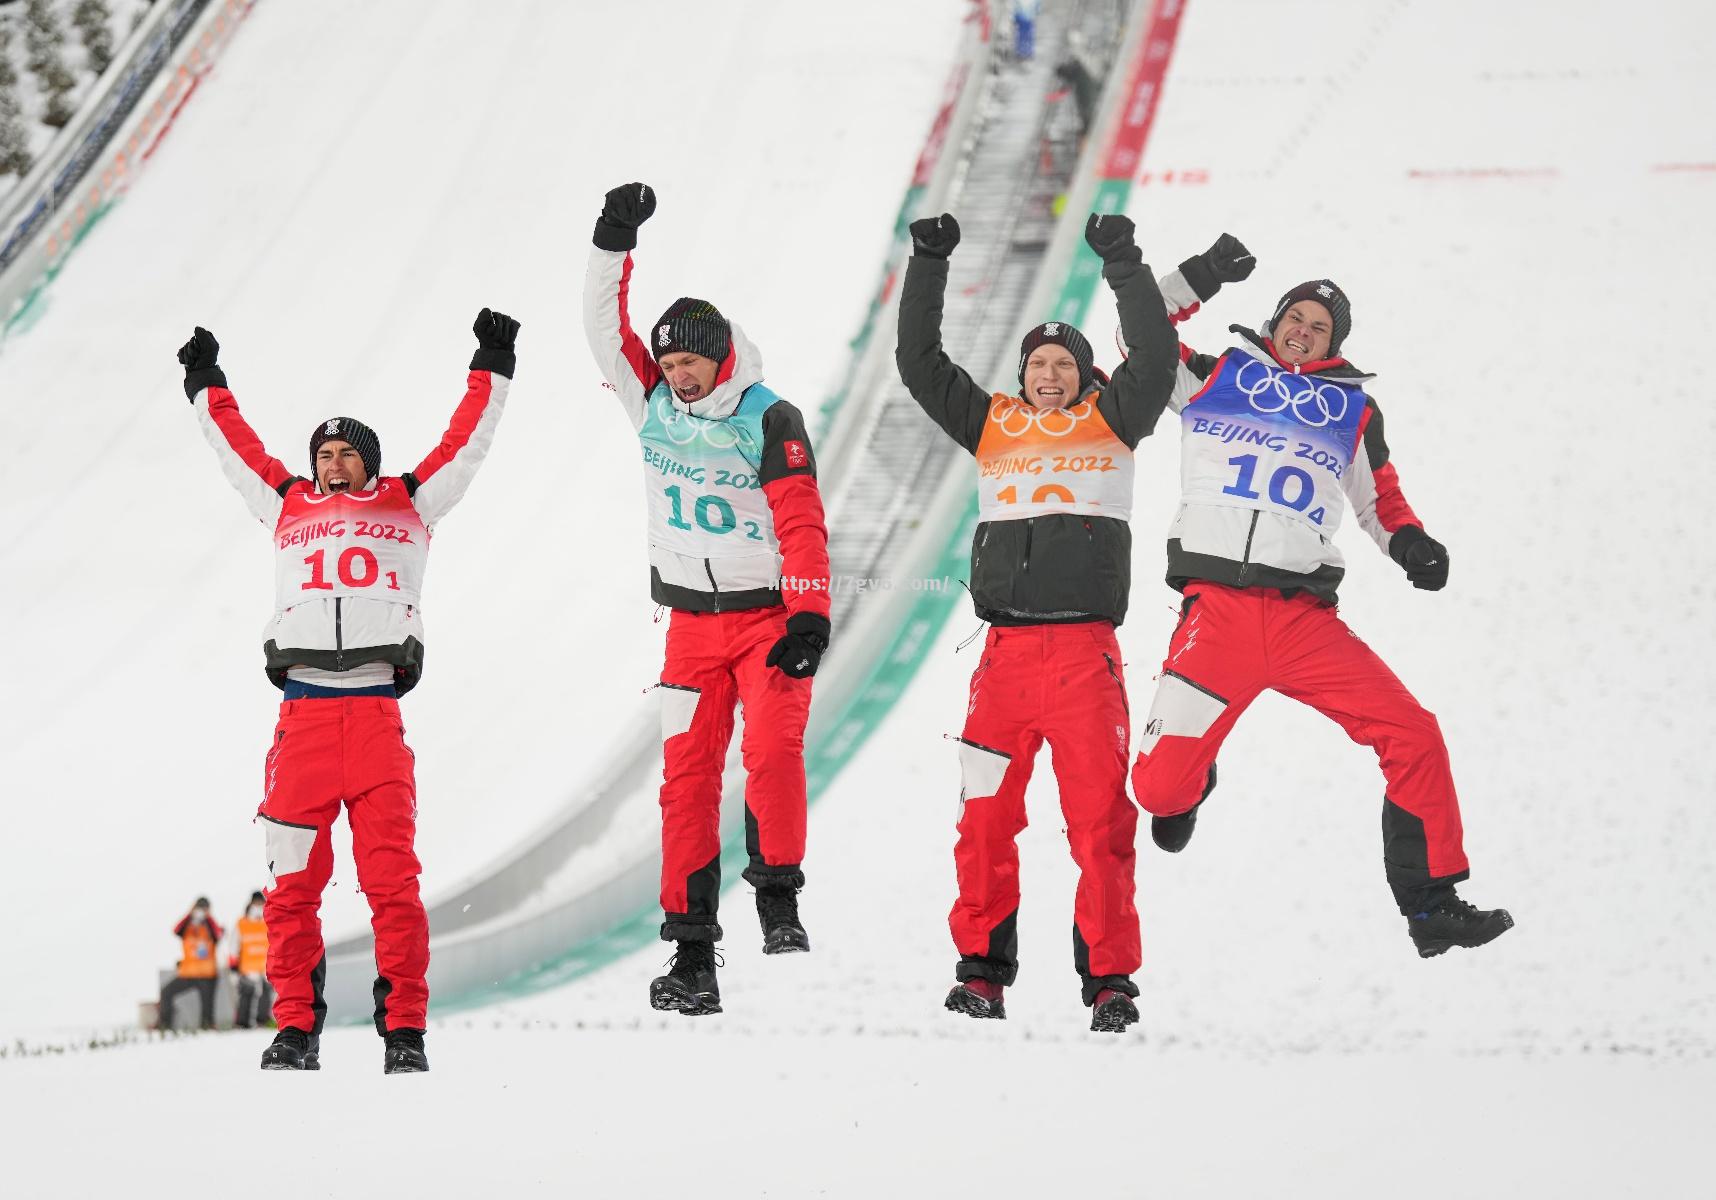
(1232, 644)
(713, 661)
(1061, 684)
(329, 752)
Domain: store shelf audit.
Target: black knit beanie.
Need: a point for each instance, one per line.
(356, 434)
(1327, 293)
(1059, 333)
(692, 325)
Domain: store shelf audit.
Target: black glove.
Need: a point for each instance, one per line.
(198, 356)
(1111, 236)
(799, 653)
(934, 237)
(1228, 261)
(624, 209)
(496, 333)
(1424, 559)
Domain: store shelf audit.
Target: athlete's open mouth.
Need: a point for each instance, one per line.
(339, 485)
(1298, 347)
(690, 392)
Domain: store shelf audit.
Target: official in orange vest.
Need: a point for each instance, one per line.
(249, 960)
(199, 937)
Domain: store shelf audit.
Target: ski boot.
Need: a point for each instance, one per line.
(293, 1050)
(1172, 833)
(689, 987)
(404, 1054)
(1112, 1011)
(777, 912)
(1451, 922)
(980, 998)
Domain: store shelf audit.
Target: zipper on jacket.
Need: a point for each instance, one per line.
(1245, 562)
(339, 639)
(714, 587)
(1030, 523)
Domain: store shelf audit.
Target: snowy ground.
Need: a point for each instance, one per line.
(1527, 328)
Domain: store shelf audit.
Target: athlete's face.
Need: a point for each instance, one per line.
(1302, 334)
(339, 467)
(691, 376)
(1051, 377)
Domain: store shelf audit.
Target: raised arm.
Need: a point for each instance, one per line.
(625, 362)
(942, 388)
(1185, 290)
(259, 477)
(438, 482)
(1133, 401)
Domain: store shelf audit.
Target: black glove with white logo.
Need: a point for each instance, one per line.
(934, 237)
(800, 652)
(198, 356)
(1112, 236)
(497, 334)
(623, 210)
(1228, 261)
(1424, 559)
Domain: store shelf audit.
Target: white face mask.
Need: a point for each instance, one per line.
(256, 912)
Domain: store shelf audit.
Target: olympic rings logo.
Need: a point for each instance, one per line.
(1318, 404)
(682, 428)
(1016, 419)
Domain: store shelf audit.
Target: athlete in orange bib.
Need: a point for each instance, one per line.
(1051, 572)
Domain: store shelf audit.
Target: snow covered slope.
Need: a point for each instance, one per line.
(1506, 192)
(353, 184)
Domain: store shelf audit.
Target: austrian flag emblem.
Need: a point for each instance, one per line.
(796, 455)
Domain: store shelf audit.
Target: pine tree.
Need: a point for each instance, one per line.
(14, 139)
(43, 38)
(94, 21)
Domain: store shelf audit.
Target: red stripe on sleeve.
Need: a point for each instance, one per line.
(1391, 506)
(1184, 313)
(479, 386)
(223, 410)
(796, 505)
(637, 354)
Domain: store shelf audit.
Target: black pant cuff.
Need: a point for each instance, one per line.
(994, 970)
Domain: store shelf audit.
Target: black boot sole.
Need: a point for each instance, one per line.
(1112, 1017)
(786, 940)
(310, 1063)
(405, 1069)
(961, 1001)
(1431, 947)
(671, 998)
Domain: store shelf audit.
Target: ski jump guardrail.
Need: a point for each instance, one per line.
(114, 132)
(527, 922)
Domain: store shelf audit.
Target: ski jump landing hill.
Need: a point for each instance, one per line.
(1515, 197)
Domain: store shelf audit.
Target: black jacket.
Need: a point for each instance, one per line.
(1062, 567)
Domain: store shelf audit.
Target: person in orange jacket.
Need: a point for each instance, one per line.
(249, 961)
(198, 935)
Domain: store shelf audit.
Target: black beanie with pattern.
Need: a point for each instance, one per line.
(692, 325)
(1059, 333)
(356, 434)
(1327, 293)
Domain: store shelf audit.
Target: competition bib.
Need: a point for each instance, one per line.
(1262, 438)
(1033, 461)
(705, 496)
(371, 544)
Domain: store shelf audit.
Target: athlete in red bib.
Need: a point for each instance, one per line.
(345, 641)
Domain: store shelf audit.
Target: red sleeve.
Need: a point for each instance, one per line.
(479, 386)
(1392, 510)
(242, 441)
(637, 354)
(796, 504)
